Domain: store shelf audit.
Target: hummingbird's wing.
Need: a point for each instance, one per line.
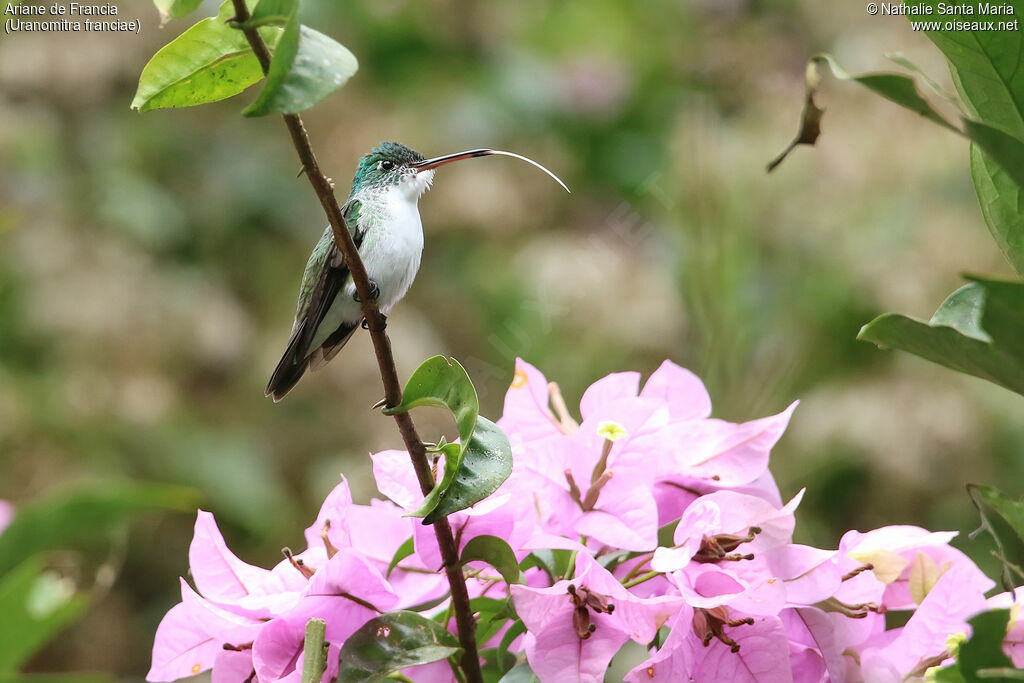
(325, 276)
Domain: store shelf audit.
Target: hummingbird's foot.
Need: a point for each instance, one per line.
(374, 292)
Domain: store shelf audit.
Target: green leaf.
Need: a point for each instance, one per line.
(981, 658)
(493, 614)
(84, 516)
(1002, 205)
(486, 464)
(496, 664)
(556, 563)
(392, 642)
(442, 383)
(273, 13)
(1010, 510)
(1002, 148)
(985, 67)
(495, 552)
(520, 673)
(517, 629)
(175, 9)
(35, 605)
(404, 551)
(977, 330)
(985, 499)
(986, 71)
(307, 67)
(894, 87)
(209, 62)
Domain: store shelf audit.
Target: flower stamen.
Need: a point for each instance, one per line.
(709, 624)
(298, 563)
(720, 547)
(583, 598)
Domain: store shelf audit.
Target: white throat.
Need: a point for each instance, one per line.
(413, 185)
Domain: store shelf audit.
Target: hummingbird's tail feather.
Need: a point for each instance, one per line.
(296, 360)
(290, 368)
(329, 349)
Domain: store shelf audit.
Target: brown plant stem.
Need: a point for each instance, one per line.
(385, 360)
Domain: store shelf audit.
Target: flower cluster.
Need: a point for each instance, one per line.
(677, 539)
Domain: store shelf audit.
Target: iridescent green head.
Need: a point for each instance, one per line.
(385, 167)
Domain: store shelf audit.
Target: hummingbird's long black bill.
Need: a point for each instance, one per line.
(428, 164)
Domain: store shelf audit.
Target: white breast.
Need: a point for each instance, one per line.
(393, 246)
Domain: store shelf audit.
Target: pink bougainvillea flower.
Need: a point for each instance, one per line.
(742, 602)
(232, 666)
(346, 592)
(576, 626)
(758, 653)
(809, 574)
(725, 525)
(527, 415)
(227, 581)
(834, 636)
(761, 657)
(193, 633)
(376, 531)
(943, 612)
(909, 561)
(681, 390)
(725, 453)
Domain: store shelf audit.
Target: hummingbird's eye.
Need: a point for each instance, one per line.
(386, 165)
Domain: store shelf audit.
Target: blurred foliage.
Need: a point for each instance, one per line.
(149, 264)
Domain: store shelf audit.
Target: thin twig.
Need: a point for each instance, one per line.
(385, 360)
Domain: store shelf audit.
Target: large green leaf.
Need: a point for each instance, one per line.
(495, 552)
(34, 605)
(486, 464)
(209, 62)
(443, 383)
(83, 516)
(1002, 205)
(986, 70)
(307, 67)
(392, 642)
(977, 330)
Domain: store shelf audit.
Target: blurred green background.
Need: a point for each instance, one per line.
(149, 263)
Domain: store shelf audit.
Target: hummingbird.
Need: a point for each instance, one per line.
(383, 216)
